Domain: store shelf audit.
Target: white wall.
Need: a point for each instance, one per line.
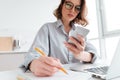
(22, 18)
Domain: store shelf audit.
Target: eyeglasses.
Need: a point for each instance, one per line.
(69, 5)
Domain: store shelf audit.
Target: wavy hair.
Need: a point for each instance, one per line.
(80, 18)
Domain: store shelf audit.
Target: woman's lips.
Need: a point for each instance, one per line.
(70, 15)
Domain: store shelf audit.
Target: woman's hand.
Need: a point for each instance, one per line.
(45, 66)
(77, 48)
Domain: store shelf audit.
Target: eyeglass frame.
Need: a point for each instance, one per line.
(72, 6)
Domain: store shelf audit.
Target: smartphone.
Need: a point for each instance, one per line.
(79, 30)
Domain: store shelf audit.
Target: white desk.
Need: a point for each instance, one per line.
(11, 60)
(12, 75)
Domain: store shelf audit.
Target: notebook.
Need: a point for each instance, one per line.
(108, 72)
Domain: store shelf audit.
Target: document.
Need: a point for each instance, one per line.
(19, 75)
(61, 76)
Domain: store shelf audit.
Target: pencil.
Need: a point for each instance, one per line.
(43, 54)
(20, 78)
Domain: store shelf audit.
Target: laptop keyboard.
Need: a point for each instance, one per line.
(98, 70)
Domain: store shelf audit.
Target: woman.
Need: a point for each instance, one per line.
(52, 39)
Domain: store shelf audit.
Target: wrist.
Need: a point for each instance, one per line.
(78, 56)
(30, 66)
(84, 56)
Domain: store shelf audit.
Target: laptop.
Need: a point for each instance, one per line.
(108, 72)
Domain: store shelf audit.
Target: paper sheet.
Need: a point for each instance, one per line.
(13, 75)
(61, 76)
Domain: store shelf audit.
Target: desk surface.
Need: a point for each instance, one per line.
(12, 52)
(13, 74)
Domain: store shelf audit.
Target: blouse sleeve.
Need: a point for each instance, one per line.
(91, 49)
(41, 41)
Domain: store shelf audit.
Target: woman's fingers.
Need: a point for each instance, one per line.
(45, 66)
(77, 46)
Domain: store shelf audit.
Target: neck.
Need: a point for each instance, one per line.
(67, 26)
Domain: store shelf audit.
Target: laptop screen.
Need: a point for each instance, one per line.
(114, 69)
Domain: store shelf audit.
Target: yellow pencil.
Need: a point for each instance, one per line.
(43, 54)
(20, 78)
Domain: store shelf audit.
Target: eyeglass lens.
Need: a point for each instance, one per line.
(69, 5)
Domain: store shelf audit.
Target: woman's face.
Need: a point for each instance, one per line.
(70, 10)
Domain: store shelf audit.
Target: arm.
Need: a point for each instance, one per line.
(82, 50)
(41, 65)
(41, 41)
